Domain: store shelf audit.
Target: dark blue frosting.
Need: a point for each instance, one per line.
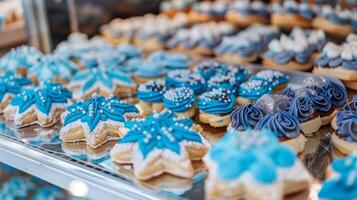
(217, 102)
(335, 92)
(246, 117)
(301, 108)
(185, 78)
(281, 123)
(323, 61)
(152, 91)
(352, 105)
(289, 92)
(179, 100)
(346, 121)
(334, 18)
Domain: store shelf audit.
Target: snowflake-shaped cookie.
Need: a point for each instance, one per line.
(160, 144)
(96, 120)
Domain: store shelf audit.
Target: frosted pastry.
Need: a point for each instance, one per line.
(147, 70)
(180, 78)
(207, 11)
(251, 90)
(267, 169)
(96, 120)
(245, 117)
(181, 101)
(10, 85)
(246, 12)
(172, 7)
(162, 143)
(208, 68)
(102, 81)
(275, 79)
(41, 105)
(215, 107)
(150, 95)
(170, 61)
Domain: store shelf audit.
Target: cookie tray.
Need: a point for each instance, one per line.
(90, 173)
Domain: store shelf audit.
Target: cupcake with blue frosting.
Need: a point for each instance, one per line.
(277, 80)
(128, 51)
(335, 21)
(20, 59)
(170, 61)
(341, 182)
(208, 11)
(148, 70)
(291, 14)
(185, 78)
(172, 7)
(251, 90)
(208, 68)
(215, 107)
(245, 118)
(247, 45)
(181, 101)
(267, 169)
(150, 95)
(246, 12)
(223, 82)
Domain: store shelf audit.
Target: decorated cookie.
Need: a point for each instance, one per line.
(245, 117)
(288, 91)
(146, 70)
(316, 38)
(291, 14)
(268, 170)
(52, 68)
(172, 7)
(102, 81)
(10, 85)
(41, 105)
(237, 71)
(246, 12)
(215, 107)
(19, 59)
(288, 53)
(185, 78)
(275, 79)
(286, 127)
(181, 101)
(170, 61)
(252, 90)
(224, 82)
(96, 120)
(341, 181)
(162, 143)
(128, 51)
(207, 11)
(150, 95)
(208, 68)
(247, 45)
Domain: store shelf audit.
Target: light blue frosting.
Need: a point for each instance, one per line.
(273, 78)
(208, 68)
(217, 101)
(211, 10)
(43, 97)
(179, 99)
(185, 78)
(50, 67)
(105, 77)
(287, 56)
(258, 153)
(149, 69)
(324, 61)
(9, 83)
(254, 89)
(170, 60)
(20, 57)
(160, 131)
(97, 109)
(236, 71)
(343, 186)
(128, 51)
(223, 82)
(16, 188)
(48, 193)
(151, 91)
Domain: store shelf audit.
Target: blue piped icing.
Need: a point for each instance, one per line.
(131, 65)
(346, 121)
(16, 188)
(251, 8)
(150, 69)
(50, 67)
(258, 153)
(110, 59)
(43, 97)
(48, 193)
(343, 183)
(224, 82)
(152, 91)
(334, 56)
(20, 57)
(184, 78)
(254, 89)
(160, 131)
(217, 102)
(208, 68)
(336, 17)
(320, 103)
(170, 61)
(216, 9)
(236, 71)
(281, 123)
(179, 99)
(246, 117)
(352, 105)
(289, 92)
(303, 9)
(107, 78)
(273, 78)
(11, 84)
(128, 51)
(301, 109)
(335, 92)
(97, 109)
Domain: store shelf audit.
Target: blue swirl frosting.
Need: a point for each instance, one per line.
(246, 117)
(184, 78)
(217, 101)
(11, 84)
(97, 109)
(152, 91)
(352, 105)
(237, 71)
(50, 67)
(170, 61)
(289, 92)
(160, 131)
(335, 92)
(320, 103)
(254, 89)
(281, 123)
(43, 97)
(343, 184)
(301, 109)
(258, 153)
(208, 68)
(150, 69)
(20, 57)
(128, 51)
(223, 82)
(346, 121)
(179, 99)
(286, 56)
